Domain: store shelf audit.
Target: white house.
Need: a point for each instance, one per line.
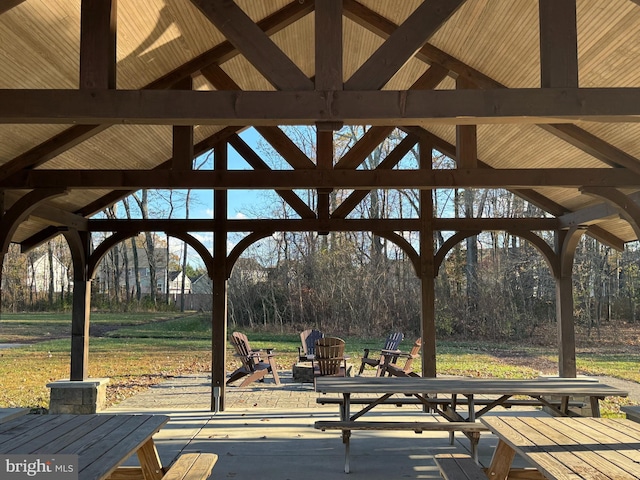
(175, 282)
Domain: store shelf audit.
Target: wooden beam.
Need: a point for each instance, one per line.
(402, 44)
(98, 20)
(252, 158)
(220, 53)
(390, 161)
(363, 147)
(282, 144)
(328, 36)
(558, 43)
(182, 146)
(324, 154)
(310, 225)
(6, 5)
(304, 179)
(593, 214)
(466, 137)
(394, 108)
(254, 44)
(572, 134)
(276, 137)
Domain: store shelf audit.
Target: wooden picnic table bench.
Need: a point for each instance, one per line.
(101, 443)
(7, 414)
(457, 466)
(470, 429)
(191, 466)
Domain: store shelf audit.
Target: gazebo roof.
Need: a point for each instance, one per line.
(427, 67)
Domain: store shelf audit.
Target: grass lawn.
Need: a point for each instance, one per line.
(139, 350)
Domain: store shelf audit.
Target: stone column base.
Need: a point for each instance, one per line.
(78, 397)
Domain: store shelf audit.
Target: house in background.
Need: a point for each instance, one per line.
(39, 275)
(202, 285)
(175, 283)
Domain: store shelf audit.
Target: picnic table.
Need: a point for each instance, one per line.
(567, 448)
(441, 396)
(102, 443)
(439, 392)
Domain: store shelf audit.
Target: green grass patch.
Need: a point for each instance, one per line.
(139, 349)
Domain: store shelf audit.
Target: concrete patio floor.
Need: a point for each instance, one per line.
(267, 432)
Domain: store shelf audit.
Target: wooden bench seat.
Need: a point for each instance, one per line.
(632, 412)
(457, 466)
(470, 429)
(191, 466)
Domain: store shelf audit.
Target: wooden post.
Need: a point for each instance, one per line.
(324, 141)
(427, 274)
(558, 43)
(219, 326)
(566, 243)
(81, 308)
(98, 44)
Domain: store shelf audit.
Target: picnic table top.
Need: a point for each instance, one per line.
(102, 442)
(468, 386)
(568, 448)
(7, 414)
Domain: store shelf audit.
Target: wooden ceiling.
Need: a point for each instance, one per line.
(556, 100)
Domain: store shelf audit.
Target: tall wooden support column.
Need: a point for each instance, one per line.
(80, 247)
(427, 271)
(566, 243)
(2, 253)
(219, 326)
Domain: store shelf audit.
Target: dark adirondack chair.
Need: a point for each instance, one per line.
(253, 367)
(308, 339)
(390, 347)
(329, 358)
(387, 367)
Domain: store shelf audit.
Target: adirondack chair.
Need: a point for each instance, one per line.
(391, 345)
(329, 358)
(253, 366)
(392, 368)
(308, 339)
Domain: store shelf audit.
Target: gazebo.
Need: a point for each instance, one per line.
(99, 98)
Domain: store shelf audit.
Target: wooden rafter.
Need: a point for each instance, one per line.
(402, 44)
(252, 158)
(254, 44)
(6, 5)
(390, 161)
